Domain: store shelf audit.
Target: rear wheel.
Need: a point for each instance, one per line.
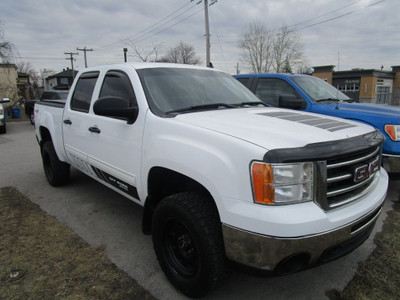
(32, 118)
(188, 243)
(3, 129)
(56, 171)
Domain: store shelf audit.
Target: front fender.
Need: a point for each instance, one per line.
(220, 163)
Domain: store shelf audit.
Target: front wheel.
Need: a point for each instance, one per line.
(56, 171)
(187, 239)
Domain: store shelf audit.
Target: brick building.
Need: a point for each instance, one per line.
(368, 86)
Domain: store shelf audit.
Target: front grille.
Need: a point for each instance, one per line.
(349, 178)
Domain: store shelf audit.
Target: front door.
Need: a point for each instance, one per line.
(114, 147)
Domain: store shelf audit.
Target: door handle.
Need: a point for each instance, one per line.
(94, 129)
(68, 122)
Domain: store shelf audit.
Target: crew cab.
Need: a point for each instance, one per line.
(309, 93)
(221, 176)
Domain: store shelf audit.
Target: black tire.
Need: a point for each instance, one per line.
(32, 118)
(187, 240)
(56, 171)
(3, 129)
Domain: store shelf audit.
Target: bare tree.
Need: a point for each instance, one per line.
(304, 69)
(34, 77)
(257, 48)
(265, 52)
(27, 68)
(183, 53)
(148, 53)
(288, 50)
(7, 49)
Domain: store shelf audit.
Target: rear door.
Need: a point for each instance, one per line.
(75, 122)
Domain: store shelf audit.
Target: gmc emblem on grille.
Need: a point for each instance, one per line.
(366, 171)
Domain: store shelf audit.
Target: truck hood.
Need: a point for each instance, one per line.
(273, 128)
(360, 109)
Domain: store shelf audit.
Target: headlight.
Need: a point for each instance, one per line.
(393, 131)
(278, 184)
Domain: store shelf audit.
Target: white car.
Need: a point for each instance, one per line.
(3, 128)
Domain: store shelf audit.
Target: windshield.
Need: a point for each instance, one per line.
(171, 90)
(319, 90)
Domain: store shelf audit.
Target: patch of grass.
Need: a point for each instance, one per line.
(379, 276)
(40, 258)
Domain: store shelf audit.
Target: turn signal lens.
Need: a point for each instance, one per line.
(393, 131)
(276, 184)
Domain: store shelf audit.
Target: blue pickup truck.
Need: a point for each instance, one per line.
(309, 93)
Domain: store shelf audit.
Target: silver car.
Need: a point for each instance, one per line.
(3, 128)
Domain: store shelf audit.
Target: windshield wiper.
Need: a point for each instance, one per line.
(200, 107)
(328, 99)
(252, 103)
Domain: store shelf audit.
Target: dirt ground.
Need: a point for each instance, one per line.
(379, 276)
(40, 258)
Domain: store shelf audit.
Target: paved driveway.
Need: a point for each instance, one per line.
(103, 217)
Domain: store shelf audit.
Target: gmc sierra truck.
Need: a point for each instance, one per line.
(309, 93)
(221, 176)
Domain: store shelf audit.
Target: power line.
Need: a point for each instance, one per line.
(301, 22)
(152, 25)
(325, 14)
(45, 58)
(340, 16)
(157, 27)
(317, 23)
(180, 21)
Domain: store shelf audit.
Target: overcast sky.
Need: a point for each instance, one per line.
(345, 33)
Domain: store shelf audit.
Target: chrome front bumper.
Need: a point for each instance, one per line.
(287, 255)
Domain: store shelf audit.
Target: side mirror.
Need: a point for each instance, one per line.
(5, 100)
(115, 107)
(291, 102)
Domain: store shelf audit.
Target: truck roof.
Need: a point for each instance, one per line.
(272, 75)
(143, 65)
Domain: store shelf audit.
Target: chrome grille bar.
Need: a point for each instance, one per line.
(354, 161)
(347, 179)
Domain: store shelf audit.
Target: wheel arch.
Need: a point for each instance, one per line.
(163, 182)
(45, 136)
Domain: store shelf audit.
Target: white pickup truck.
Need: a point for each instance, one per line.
(221, 176)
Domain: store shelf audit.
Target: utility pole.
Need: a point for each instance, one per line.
(207, 33)
(208, 62)
(71, 58)
(125, 51)
(84, 53)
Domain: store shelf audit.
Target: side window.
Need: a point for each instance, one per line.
(83, 92)
(270, 89)
(117, 84)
